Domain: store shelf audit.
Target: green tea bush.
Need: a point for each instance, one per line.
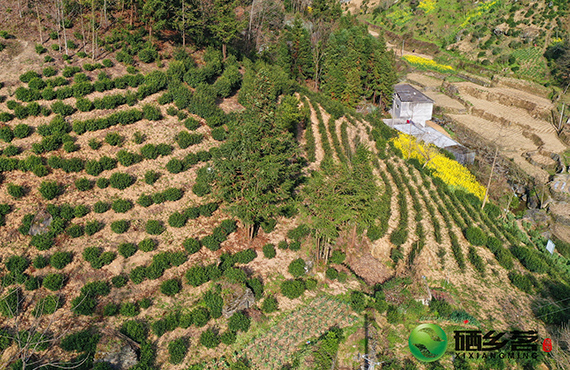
(120, 281)
(154, 227)
(177, 350)
(209, 339)
(83, 184)
(22, 131)
(150, 177)
(171, 287)
(145, 200)
(239, 322)
(53, 281)
(148, 245)
(60, 259)
(210, 242)
(270, 304)
(292, 288)
(121, 181)
(114, 139)
(93, 227)
(62, 109)
(135, 330)
(129, 309)
(120, 227)
(297, 267)
(127, 249)
(177, 219)
(269, 251)
(191, 124)
(122, 205)
(475, 236)
(101, 207)
(75, 231)
(40, 262)
(151, 113)
(16, 191)
(185, 139)
(50, 190)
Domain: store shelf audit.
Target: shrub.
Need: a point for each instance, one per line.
(357, 300)
(145, 303)
(114, 139)
(239, 322)
(171, 287)
(150, 177)
(6, 134)
(209, 339)
(175, 166)
(270, 305)
(337, 257)
(53, 282)
(28, 76)
(83, 184)
(173, 194)
(75, 231)
(177, 219)
(121, 181)
(177, 350)
(191, 124)
(84, 105)
(127, 249)
(102, 183)
(154, 227)
(297, 267)
(101, 207)
(129, 309)
(120, 227)
(81, 210)
(292, 288)
(111, 309)
(135, 330)
(119, 281)
(93, 227)
(94, 144)
(201, 189)
(331, 273)
(50, 190)
(60, 259)
(151, 113)
(16, 191)
(40, 262)
(62, 109)
(148, 55)
(210, 242)
(269, 251)
(219, 134)
(138, 274)
(122, 205)
(22, 131)
(147, 245)
(475, 236)
(185, 139)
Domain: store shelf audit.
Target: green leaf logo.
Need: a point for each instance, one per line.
(428, 342)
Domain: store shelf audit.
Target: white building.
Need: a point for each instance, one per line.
(410, 104)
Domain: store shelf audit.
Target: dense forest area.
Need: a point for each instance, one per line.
(311, 42)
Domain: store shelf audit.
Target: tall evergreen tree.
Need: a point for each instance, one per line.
(301, 53)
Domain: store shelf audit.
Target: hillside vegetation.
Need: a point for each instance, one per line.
(180, 182)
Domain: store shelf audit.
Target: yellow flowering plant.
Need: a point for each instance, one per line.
(427, 6)
(449, 171)
(424, 63)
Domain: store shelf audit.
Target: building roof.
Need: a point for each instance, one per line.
(408, 93)
(428, 135)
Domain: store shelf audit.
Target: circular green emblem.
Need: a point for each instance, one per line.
(428, 342)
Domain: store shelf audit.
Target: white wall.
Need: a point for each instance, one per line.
(417, 112)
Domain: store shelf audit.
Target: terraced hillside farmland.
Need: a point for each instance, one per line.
(516, 121)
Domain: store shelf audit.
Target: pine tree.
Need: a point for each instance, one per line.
(301, 53)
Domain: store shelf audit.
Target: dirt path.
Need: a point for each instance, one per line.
(319, 152)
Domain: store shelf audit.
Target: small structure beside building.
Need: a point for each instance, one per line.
(411, 104)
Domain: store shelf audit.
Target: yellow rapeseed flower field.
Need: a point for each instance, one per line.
(421, 62)
(427, 6)
(449, 171)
